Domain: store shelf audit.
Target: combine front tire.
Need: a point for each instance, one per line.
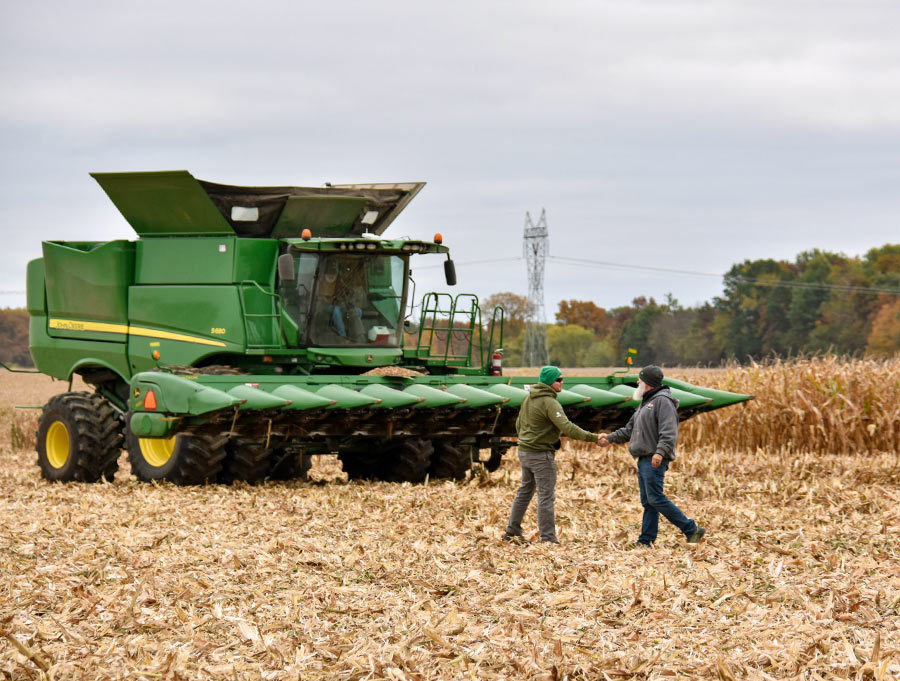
(185, 459)
(287, 463)
(79, 437)
(450, 460)
(407, 460)
(246, 460)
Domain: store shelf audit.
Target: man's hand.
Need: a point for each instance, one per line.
(656, 460)
(603, 439)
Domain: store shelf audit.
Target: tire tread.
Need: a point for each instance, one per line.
(96, 429)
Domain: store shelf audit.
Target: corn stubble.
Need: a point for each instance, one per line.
(799, 576)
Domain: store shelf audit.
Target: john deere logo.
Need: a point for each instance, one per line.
(370, 358)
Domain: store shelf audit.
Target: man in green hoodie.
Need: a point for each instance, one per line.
(540, 423)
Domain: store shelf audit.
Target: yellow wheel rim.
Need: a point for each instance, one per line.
(157, 452)
(57, 444)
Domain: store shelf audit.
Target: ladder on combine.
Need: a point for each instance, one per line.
(261, 329)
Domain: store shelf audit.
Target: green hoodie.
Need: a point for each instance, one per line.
(542, 420)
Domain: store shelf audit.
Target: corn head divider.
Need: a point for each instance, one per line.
(372, 406)
(249, 328)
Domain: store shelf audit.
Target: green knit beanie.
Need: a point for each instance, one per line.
(549, 375)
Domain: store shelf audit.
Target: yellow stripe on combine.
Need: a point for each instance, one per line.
(104, 327)
(155, 333)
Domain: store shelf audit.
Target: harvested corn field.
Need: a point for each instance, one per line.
(799, 576)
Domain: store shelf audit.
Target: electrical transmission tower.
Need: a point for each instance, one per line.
(534, 246)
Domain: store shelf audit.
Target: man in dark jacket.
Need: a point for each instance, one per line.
(540, 422)
(652, 432)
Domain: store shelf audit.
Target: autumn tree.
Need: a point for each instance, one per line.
(585, 314)
(518, 309)
(884, 338)
(14, 337)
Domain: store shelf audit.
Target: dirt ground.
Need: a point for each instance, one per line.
(799, 576)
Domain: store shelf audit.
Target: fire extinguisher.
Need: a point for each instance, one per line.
(496, 362)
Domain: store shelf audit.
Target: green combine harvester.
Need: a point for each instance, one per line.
(249, 328)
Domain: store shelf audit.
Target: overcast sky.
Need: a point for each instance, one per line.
(690, 135)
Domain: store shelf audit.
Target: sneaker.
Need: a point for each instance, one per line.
(695, 536)
(514, 538)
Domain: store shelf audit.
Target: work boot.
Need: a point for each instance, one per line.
(514, 538)
(639, 545)
(695, 536)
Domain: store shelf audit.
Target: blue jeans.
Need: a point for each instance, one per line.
(337, 318)
(654, 501)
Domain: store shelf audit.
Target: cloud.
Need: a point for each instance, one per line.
(133, 67)
(705, 131)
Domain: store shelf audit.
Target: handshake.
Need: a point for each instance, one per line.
(603, 439)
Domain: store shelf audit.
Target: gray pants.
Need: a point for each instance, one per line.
(538, 469)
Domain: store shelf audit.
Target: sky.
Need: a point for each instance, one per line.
(677, 134)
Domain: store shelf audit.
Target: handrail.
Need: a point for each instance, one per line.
(274, 316)
(469, 332)
(429, 329)
(432, 327)
(491, 345)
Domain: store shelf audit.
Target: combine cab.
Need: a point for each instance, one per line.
(249, 328)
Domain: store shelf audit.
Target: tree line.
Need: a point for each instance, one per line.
(822, 302)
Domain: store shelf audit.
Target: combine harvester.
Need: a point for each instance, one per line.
(249, 328)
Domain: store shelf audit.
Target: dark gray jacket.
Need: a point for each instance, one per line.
(653, 428)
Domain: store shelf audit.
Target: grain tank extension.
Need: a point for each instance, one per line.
(249, 328)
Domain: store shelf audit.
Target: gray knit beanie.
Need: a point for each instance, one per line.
(652, 375)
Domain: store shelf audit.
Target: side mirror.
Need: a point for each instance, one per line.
(411, 298)
(286, 267)
(410, 327)
(450, 272)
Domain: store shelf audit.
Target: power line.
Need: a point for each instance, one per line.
(470, 262)
(846, 288)
(604, 263)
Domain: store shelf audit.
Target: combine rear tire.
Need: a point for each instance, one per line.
(287, 463)
(185, 459)
(246, 460)
(407, 460)
(79, 437)
(450, 460)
